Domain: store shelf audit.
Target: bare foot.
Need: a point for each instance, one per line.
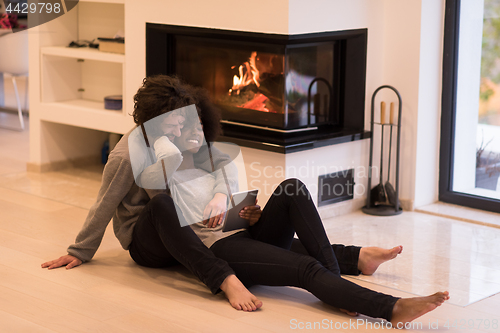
(407, 309)
(238, 295)
(371, 257)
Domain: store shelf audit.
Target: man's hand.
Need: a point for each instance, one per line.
(251, 213)
(214, 212)
(68, 260)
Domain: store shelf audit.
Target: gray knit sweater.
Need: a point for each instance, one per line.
(122, 200)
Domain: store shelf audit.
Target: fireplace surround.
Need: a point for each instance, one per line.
(283, 93)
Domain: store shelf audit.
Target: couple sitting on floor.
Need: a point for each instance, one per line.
(167, 189)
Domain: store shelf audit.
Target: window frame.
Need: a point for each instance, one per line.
(448, 117)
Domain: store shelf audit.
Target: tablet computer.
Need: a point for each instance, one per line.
(233, 221)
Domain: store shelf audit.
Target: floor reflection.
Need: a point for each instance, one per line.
(439, 253)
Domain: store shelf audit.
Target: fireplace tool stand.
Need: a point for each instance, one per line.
(377, 203)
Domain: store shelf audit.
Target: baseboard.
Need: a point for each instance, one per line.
(65, 164)
(351, 206)
(461, 213)
(408, 205)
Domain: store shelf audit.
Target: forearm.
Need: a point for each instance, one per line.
(117, 180)
(157, 175)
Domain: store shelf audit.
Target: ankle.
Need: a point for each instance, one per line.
(396, 309)
(227, 281)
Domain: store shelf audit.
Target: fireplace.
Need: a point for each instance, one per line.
(282, 91)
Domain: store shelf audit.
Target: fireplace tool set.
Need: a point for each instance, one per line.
(383, 199)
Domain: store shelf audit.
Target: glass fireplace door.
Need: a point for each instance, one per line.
(284, 87)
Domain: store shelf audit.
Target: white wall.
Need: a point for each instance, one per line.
(429, 103)
(309, 165)
(401, 56)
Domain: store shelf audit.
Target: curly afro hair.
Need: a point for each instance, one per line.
(161, 93)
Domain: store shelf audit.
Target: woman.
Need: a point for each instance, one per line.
(261, 254)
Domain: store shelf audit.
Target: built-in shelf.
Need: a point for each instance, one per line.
(87, 114)
(83, 53)
(84, 105)
(70, 84)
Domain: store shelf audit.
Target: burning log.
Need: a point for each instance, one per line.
(257, 85)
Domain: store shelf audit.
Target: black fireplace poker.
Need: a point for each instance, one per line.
(392, 207)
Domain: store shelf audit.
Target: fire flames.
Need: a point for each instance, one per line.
(248, 75)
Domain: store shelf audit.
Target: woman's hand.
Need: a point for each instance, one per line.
(68, 260)
(251, 213)
(214, 212)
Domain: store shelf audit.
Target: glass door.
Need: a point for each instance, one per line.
(470, 141)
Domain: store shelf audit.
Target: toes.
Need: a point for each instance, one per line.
(248, 306)
(397, 250)
(253, 306)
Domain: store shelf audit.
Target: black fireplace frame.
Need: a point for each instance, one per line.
(349, 96)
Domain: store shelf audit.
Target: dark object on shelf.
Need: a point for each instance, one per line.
(382, 208)
(113, 102)
(83, 43)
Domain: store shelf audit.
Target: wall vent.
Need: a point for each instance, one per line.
(335, 187)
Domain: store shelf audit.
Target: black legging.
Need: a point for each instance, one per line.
(158, 240)
(262, 254)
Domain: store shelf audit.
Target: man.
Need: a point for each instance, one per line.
(145, 219)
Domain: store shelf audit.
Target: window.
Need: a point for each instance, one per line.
(470, 127)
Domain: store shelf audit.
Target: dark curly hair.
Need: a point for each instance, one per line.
(161, 93)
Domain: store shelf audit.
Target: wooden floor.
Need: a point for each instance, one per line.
(112, 294)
